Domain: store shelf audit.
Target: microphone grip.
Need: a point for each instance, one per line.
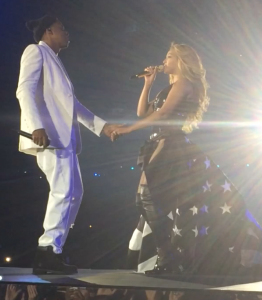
(28, 135)
(139, 75)
(144, 73)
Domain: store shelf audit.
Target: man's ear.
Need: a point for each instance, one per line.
(49, 30)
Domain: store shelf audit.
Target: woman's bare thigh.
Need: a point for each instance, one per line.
(158, 149)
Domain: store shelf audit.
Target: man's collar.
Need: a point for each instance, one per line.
(45, 45)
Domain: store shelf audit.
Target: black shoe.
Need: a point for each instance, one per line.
(48, 262)
(166, 264)
(165, 270)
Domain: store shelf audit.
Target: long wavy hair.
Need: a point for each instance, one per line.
(190, 67)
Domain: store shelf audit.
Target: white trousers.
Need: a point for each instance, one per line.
(62, 171)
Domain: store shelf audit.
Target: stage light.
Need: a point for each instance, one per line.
(90, 226)
(1, 277)
(132, 168)
(247, 165)
(95, 174)
(218, 166)
(8, 259)
(25, 172)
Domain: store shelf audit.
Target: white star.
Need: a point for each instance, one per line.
(195, 231)
(181, 268)
(177, 212)
(231, 249)
(72, 225)
(226, 186)
(207, 163)
(205, 188)
(203, 230)
(225, 209)
(177, 231)
(194, 159)
(209, 186)
(194, 210)
(251, 232)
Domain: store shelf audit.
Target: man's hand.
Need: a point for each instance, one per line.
(40, 137)
(109, 128)
(120, 130)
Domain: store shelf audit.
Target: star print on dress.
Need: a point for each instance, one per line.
(207, 187)
(194, 210)
(204, 209)
(177, 231)
(203, 230)
(209, 214)
(225, 209)
(226, 186)
(195, 231)
(207, 163)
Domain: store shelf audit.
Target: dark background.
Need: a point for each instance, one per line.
(111, 40)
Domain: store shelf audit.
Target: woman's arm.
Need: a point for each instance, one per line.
(178, 92)
(144, 107)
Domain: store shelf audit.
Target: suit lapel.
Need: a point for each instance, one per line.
(57, 60)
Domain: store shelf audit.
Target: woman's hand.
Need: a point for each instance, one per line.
(149, 79)
(120, 131)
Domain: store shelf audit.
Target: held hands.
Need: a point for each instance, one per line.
(121, 130)
(149, 79)
(109, 128)
(113, 131)
(40, 138)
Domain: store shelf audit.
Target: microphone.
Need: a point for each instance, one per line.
(144, 73)
(25, 134)
(30, 136)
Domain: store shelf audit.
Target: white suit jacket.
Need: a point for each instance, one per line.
(47, 100)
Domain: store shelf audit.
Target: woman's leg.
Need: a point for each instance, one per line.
(155, 214)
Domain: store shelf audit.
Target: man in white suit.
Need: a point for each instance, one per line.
(51, 112)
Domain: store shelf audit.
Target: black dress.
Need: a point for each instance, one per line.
(212, 231)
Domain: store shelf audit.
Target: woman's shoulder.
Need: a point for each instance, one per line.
(183, 84)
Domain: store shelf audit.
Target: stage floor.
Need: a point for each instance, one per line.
(128, 279)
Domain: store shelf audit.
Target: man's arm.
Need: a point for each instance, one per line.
(88, 119)
(97, 125)
(30, 72)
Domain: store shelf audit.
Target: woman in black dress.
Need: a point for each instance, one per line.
(192, 217)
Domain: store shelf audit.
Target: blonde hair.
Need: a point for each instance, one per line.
(190, 67)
